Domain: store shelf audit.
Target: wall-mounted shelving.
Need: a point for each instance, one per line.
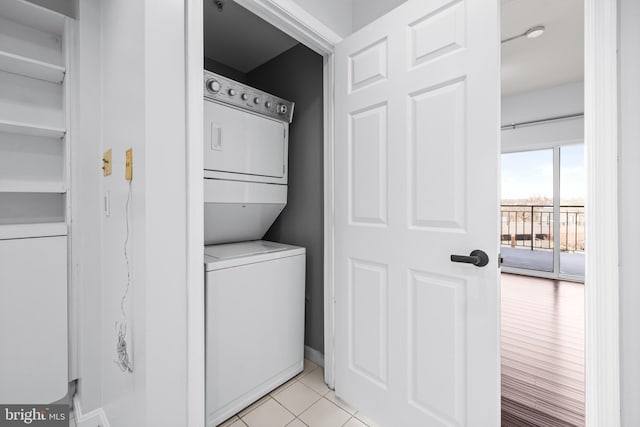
(17, 186)
(35, 58)
(26, 231)
(24, 66)
(34, 144)
(7, 126)
(33, 16)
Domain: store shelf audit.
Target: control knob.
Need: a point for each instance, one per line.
(213, 85)
(231, 92)
(282, 109)
(256, 100)
(244, 96)
(267, 104)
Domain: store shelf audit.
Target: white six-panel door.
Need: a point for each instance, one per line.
(416, 173)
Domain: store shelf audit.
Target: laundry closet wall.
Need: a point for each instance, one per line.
(296, 75)
(132, 95)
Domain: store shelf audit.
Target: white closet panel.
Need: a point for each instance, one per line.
(33, 320)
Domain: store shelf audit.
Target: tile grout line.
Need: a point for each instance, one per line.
(293, 381)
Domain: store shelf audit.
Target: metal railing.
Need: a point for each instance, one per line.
(531, 226)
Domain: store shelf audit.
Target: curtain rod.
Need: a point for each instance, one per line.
(540, 121)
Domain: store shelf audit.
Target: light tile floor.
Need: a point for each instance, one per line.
(304, 401)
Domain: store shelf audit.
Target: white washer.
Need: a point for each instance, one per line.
(255, 322)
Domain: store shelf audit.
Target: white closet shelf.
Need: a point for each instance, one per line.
(31, 129)
(26, 186)
(25, 231)
(29, 67)
(32, 15)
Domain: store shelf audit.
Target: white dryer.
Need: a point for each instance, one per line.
(246, 151)
(254, 288)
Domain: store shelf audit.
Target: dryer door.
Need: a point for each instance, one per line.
(243, 146)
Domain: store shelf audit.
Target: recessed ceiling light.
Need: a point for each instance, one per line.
(534, 32)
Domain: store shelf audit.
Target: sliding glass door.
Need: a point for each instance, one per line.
(542, 212)
(572, 191)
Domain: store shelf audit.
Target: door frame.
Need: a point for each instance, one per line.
(602, 403)
(602, 344)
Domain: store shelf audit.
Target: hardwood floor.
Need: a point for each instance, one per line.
(542, 352)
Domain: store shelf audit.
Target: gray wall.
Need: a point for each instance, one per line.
(296, 75)
(66, 7)
(629, 206)
(224, 70)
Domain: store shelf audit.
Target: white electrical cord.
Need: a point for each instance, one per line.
(124, 362)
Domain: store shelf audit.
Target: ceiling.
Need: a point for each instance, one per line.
(555, 58)
(239, 39)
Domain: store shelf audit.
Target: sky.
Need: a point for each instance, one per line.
(530, 173)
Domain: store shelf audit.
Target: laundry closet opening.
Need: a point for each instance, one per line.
(254, 62)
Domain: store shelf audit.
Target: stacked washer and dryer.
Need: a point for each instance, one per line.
(254, 288)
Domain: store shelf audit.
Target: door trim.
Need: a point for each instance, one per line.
(295, 21)
(194, 49)
(602, 351)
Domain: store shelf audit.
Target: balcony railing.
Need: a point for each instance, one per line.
(531, 226)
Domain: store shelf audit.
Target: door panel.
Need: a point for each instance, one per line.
(437, 146)
(368, 166)
(416, 173)
(368, 321)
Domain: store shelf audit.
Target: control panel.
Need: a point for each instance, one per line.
(222, 89)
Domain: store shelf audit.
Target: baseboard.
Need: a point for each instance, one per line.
(314, 355)
(95, 418)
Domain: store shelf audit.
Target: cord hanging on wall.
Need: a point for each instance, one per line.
(124, 361)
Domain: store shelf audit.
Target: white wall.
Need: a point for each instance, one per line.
(132, 94)
(335, 14)
(629, 206)
(165, 320)
(366, 11)
(347, 16)
(541, 104)
(86, 227)
(122, 113)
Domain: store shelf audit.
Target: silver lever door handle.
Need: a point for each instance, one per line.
(477, 257)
